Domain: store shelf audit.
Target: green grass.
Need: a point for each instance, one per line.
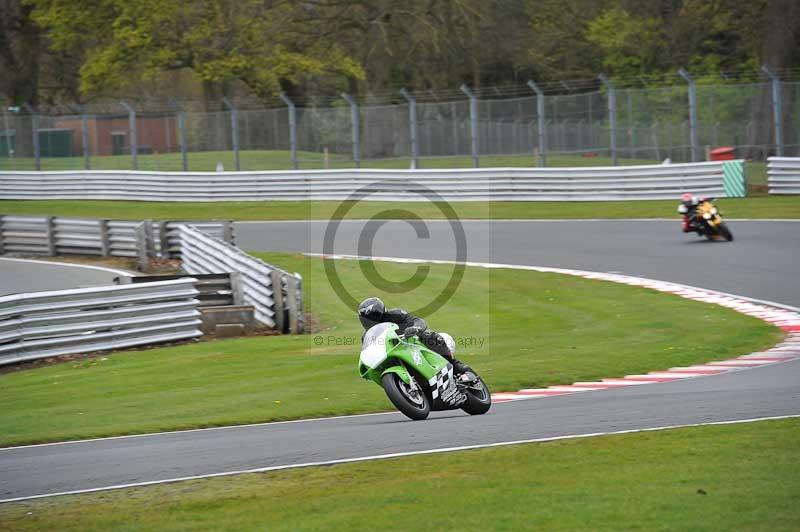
(530, 329)
(757, 207)
(735, 477)
(281, 160)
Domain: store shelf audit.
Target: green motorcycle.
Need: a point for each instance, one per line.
(416, 379)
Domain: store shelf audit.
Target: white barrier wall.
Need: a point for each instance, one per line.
(276, 295)
(509, 184)
(45, 324)
(54, 235)
(783, 175)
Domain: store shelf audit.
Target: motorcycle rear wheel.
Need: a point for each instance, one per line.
(412, 403)
(479, 398)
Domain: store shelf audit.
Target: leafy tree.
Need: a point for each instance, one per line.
(267, 45)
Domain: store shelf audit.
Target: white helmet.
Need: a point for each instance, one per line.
(449, 342)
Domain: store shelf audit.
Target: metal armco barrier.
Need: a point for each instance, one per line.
(502, 184)
(45, 324)
(276, 295)
(783, 175)
(50, 235)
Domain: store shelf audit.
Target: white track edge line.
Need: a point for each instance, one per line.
(397, 455)
(72, 265)
(188, 431)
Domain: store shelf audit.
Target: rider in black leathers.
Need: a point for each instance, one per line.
(372, 311)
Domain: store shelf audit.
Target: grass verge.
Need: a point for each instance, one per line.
(755, 207)
(734, 477)
(518, 329)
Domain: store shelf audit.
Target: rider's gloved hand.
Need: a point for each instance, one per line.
(412, 331)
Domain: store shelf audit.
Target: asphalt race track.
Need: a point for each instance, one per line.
(761, 263)
(19, 276)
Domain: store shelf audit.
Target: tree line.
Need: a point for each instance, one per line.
(55, 52)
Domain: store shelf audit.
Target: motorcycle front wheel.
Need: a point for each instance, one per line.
(479, 399)
(413, 403)
(725, 232)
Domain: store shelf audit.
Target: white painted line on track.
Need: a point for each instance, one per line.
(189, 431)
(72, 265)
(395, 455)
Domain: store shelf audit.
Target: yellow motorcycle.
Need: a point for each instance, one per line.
(706, 221)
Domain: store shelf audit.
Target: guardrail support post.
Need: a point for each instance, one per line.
(105, 242)
(50, 235)
(412, 115)
(356, 127)
(542, 124)
(612, 117)
(2, 248)
(132, 133)
(237, 294)
(37, 157)
(234, 131)
(87, 164)
(291, 304)
(473, 124)
(777, 109)
(181, 133)
(692, 112)
(292, 127)
(277, 299)
(227, 232)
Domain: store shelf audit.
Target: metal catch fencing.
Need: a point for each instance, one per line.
(276, 295)
(55, 235)
(45, 324)
(783, 175)
(758, 118)
(507, 184)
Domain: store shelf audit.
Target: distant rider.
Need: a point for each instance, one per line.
(372, 311)
(688, 208)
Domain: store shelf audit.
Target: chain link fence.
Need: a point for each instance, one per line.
(652, 124)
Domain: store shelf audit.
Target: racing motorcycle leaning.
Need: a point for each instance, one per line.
(704, 218)
(416, 379)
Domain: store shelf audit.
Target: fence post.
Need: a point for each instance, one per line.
(50, 235)
(292, 127)
(412, 115)
(181, 133)
(612, 117)
(542, 124)
(473, 124)
(234, 131)
(277, 299)
(356, 127)
(87, 163)
(105, 242)
(132, 132)
(777, 109)
(37, 158)
(2, 238)
(692, 111)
